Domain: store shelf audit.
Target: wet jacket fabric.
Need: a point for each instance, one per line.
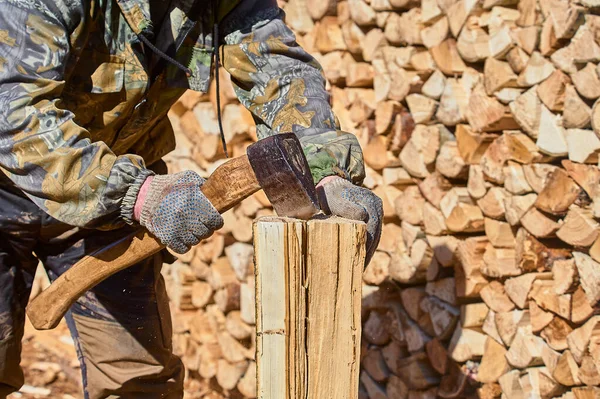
(83, 103)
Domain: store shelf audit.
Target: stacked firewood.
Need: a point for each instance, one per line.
(479, 125)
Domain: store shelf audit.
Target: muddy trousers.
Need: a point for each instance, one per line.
(121, 328)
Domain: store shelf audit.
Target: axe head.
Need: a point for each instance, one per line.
(282, 171)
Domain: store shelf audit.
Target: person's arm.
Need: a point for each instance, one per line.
(42, 149)
(284, 88)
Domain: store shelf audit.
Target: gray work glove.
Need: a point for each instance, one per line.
(175, 210)
(340, 197)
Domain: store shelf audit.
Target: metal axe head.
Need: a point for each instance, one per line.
(283, 173)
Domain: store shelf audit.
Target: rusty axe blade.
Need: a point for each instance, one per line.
(284, 175)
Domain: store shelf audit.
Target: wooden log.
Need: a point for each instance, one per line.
(471, 145)
(492, 203)
(542, 293)
(449, 162)
(281, 318)
(488, 114)
(518, 288)
(537, 70)
(539, 317)
(586, 82)
(500, 263)
(373, 330)
(473, 315)
(559, 192)
(499, 233)
(434, 86)
(589, 275)
(517, 59)
(409, 206)
(537, 175)
(468, 276)
(493, 362)
(567, 370)
(514, 179)
(436, 33)
(579, 339)
(489, 327)
(539, 224)
(476, 184)
(329, 35)
(516, 206)
(374, 365)
(576, 113)
(460, 212)
(444, 249)
(581, 310)
(417, 373)
(583, 145)
(508, 323)
(466, 344)
(525, 350)
(552, 91)
(495, 297)
(551, 138)
(533, 255)
(527, 111)
(555, 333)
(361, 12)
(433, 220)
(579, 228)
(473, 44)
(497, 75)
(447, 58)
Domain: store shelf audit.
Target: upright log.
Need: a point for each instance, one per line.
(308, 297)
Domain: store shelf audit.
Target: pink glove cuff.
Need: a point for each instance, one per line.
(141, 197)
(326, 180)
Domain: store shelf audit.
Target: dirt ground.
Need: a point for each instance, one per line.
(50, 365)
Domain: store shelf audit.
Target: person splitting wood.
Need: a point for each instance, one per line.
(85, 87)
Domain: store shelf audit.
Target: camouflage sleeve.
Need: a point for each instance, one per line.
(42, 150)
(284, 88)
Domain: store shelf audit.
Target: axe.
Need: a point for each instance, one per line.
(275, 164)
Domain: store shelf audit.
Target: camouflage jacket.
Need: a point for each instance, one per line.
(82, 110)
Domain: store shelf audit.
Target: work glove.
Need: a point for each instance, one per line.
(173, 209)
(338, 196)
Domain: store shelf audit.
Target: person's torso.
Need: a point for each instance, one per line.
(119, 89)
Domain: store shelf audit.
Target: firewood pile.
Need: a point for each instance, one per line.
(479, 125)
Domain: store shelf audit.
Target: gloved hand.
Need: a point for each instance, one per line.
(173, 208)
(340, 197)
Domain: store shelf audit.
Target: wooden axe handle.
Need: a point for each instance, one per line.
(229, 184)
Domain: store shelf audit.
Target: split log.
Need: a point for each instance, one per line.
(495, 297)
(567, 370)
(518, 288)
(527, 111)
(525, 350)
(539, 224)
(565, 276)
(555, 334)
(589, 275)
(576, 113)
(537, 175)
(586, 82)
(543, 294)
(468, 276)
(583, 145)
(552, 91)
(471, 145)
(509, 323)
(516, 207)
(500, 263)
(466, 344)
(493, 362)
(447, 58)
(476, 184)
(473, 315)
(559, 192)
(579, 228)
(499, 233)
